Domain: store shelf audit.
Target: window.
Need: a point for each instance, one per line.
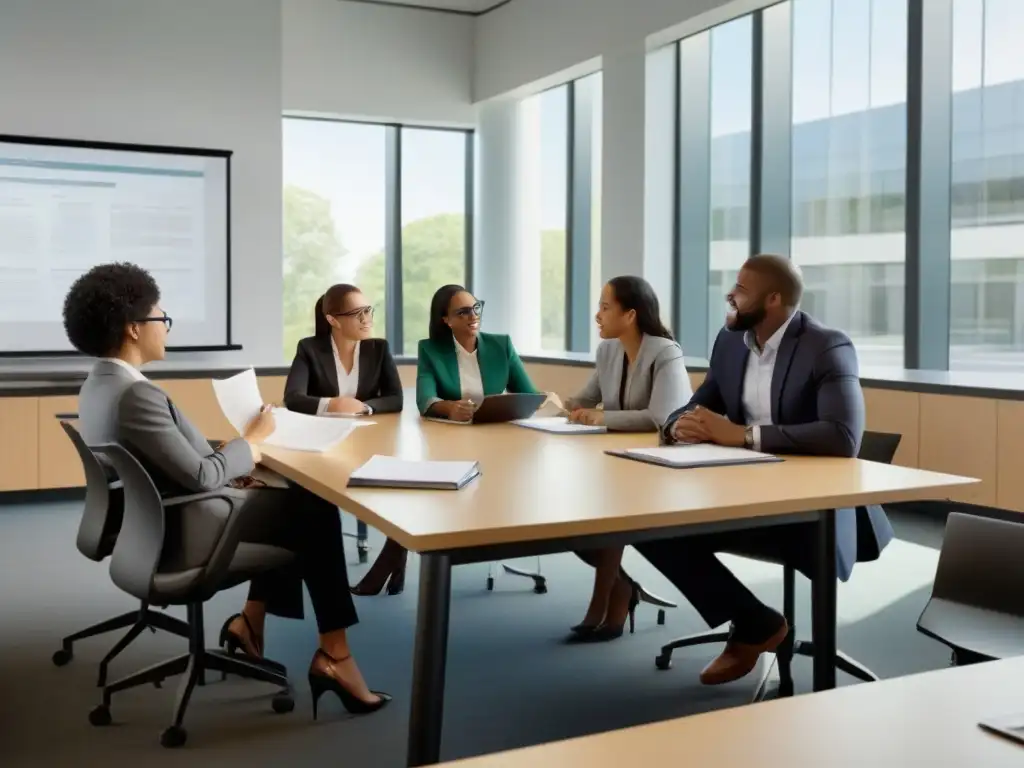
(334, 215)
(986, 318)
(346, 185)
(849, 167)
(433, 223)
(545, 167)
(731, 86)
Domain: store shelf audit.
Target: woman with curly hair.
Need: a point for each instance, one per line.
(113, 313)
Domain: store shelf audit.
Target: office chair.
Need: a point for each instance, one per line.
(97, 532)
(977, 601)
(875, 446)
(136, 567)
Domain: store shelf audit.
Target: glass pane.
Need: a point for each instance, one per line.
(333, 217)
(595, 84)
(731, 115)
(545, 134)
(433, 223)
(849, 166)
(986, 322)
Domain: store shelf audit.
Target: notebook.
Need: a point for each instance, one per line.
(392, 472)
(559, 425)
(696, 455)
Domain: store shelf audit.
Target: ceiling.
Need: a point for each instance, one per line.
(471, 7)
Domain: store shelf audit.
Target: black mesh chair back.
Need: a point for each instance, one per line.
(141, 539)
(879, 446)
(101, 518)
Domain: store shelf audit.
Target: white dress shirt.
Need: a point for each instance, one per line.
(135, 372)
(470, 381)
(757, 380)
(348, 381)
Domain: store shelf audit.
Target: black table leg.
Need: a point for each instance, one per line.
(429, 659)
(823, 604)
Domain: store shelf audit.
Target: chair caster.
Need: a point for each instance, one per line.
(283, 703)
(100, 716)
(490, 583)
(173, 737)
(663, 662)
(363, 549)
(661, 617)
(62, 657)
(540, 586)
(158, 683)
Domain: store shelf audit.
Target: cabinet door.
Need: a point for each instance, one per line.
(19, 443)
(59, 465)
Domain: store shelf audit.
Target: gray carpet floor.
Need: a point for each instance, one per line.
(511, 680)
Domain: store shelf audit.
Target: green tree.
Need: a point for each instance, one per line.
(312, 251)
(433, 254)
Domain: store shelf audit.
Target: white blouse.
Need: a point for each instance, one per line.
(348, 382)
(470, 381)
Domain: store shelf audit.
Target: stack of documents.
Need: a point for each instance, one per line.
(559, 425)
(391, 472)
(240, 400)
(696, 455)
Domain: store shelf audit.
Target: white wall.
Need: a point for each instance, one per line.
(377, 62)
(187, 72)
(526, 41)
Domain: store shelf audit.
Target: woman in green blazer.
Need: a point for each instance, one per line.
(458, 365)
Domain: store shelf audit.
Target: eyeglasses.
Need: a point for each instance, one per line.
(476, 310)
(362, 313)
(164, 319)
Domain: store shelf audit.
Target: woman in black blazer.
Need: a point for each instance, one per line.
(341, 369)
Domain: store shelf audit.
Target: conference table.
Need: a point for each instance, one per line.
(540, 493)
(929, 719)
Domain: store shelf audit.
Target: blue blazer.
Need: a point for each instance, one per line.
(817, 409)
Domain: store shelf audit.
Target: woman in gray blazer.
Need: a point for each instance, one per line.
(639, 380)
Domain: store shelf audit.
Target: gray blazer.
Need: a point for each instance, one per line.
(656, 385)
(115, 407)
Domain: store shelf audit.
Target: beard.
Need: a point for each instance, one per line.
(746, 320)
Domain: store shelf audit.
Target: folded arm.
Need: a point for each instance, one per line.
(589, 396)
(147, 426)
(707, 395)
(840, 425)
(426, 383)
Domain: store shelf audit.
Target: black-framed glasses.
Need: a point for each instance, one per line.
(477, 310)
(165, 318)
(362, 313)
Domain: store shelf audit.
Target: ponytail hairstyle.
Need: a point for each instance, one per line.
(635, 293)
(328, 304)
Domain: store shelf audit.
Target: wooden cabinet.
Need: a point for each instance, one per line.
(958, 436)
(59, 465)
(19, 443)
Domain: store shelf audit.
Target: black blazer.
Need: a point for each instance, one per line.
(313, 376)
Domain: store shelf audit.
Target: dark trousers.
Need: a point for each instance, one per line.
(309, 526)
(691, 564)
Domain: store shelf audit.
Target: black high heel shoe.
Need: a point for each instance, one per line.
(321, 681)
(232, 641)
(387, 570)
(602, 633)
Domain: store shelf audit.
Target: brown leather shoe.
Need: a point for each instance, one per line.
(739, 659)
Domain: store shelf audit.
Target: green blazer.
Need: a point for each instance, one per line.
(437, 369)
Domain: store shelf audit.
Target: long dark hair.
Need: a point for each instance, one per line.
(635, 293)
(438, 330)
(328, 304)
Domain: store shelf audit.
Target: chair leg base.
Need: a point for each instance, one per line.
(540, 583)
(664, 659)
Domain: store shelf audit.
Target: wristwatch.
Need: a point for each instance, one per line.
(367, 410)
(748, 437)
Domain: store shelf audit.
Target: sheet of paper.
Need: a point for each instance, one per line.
(559, 425)
(239, 398)
(391, 469)
(300, 432)
(700, 454)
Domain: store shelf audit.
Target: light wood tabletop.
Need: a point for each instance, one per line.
(523, 494)
(928, 719)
